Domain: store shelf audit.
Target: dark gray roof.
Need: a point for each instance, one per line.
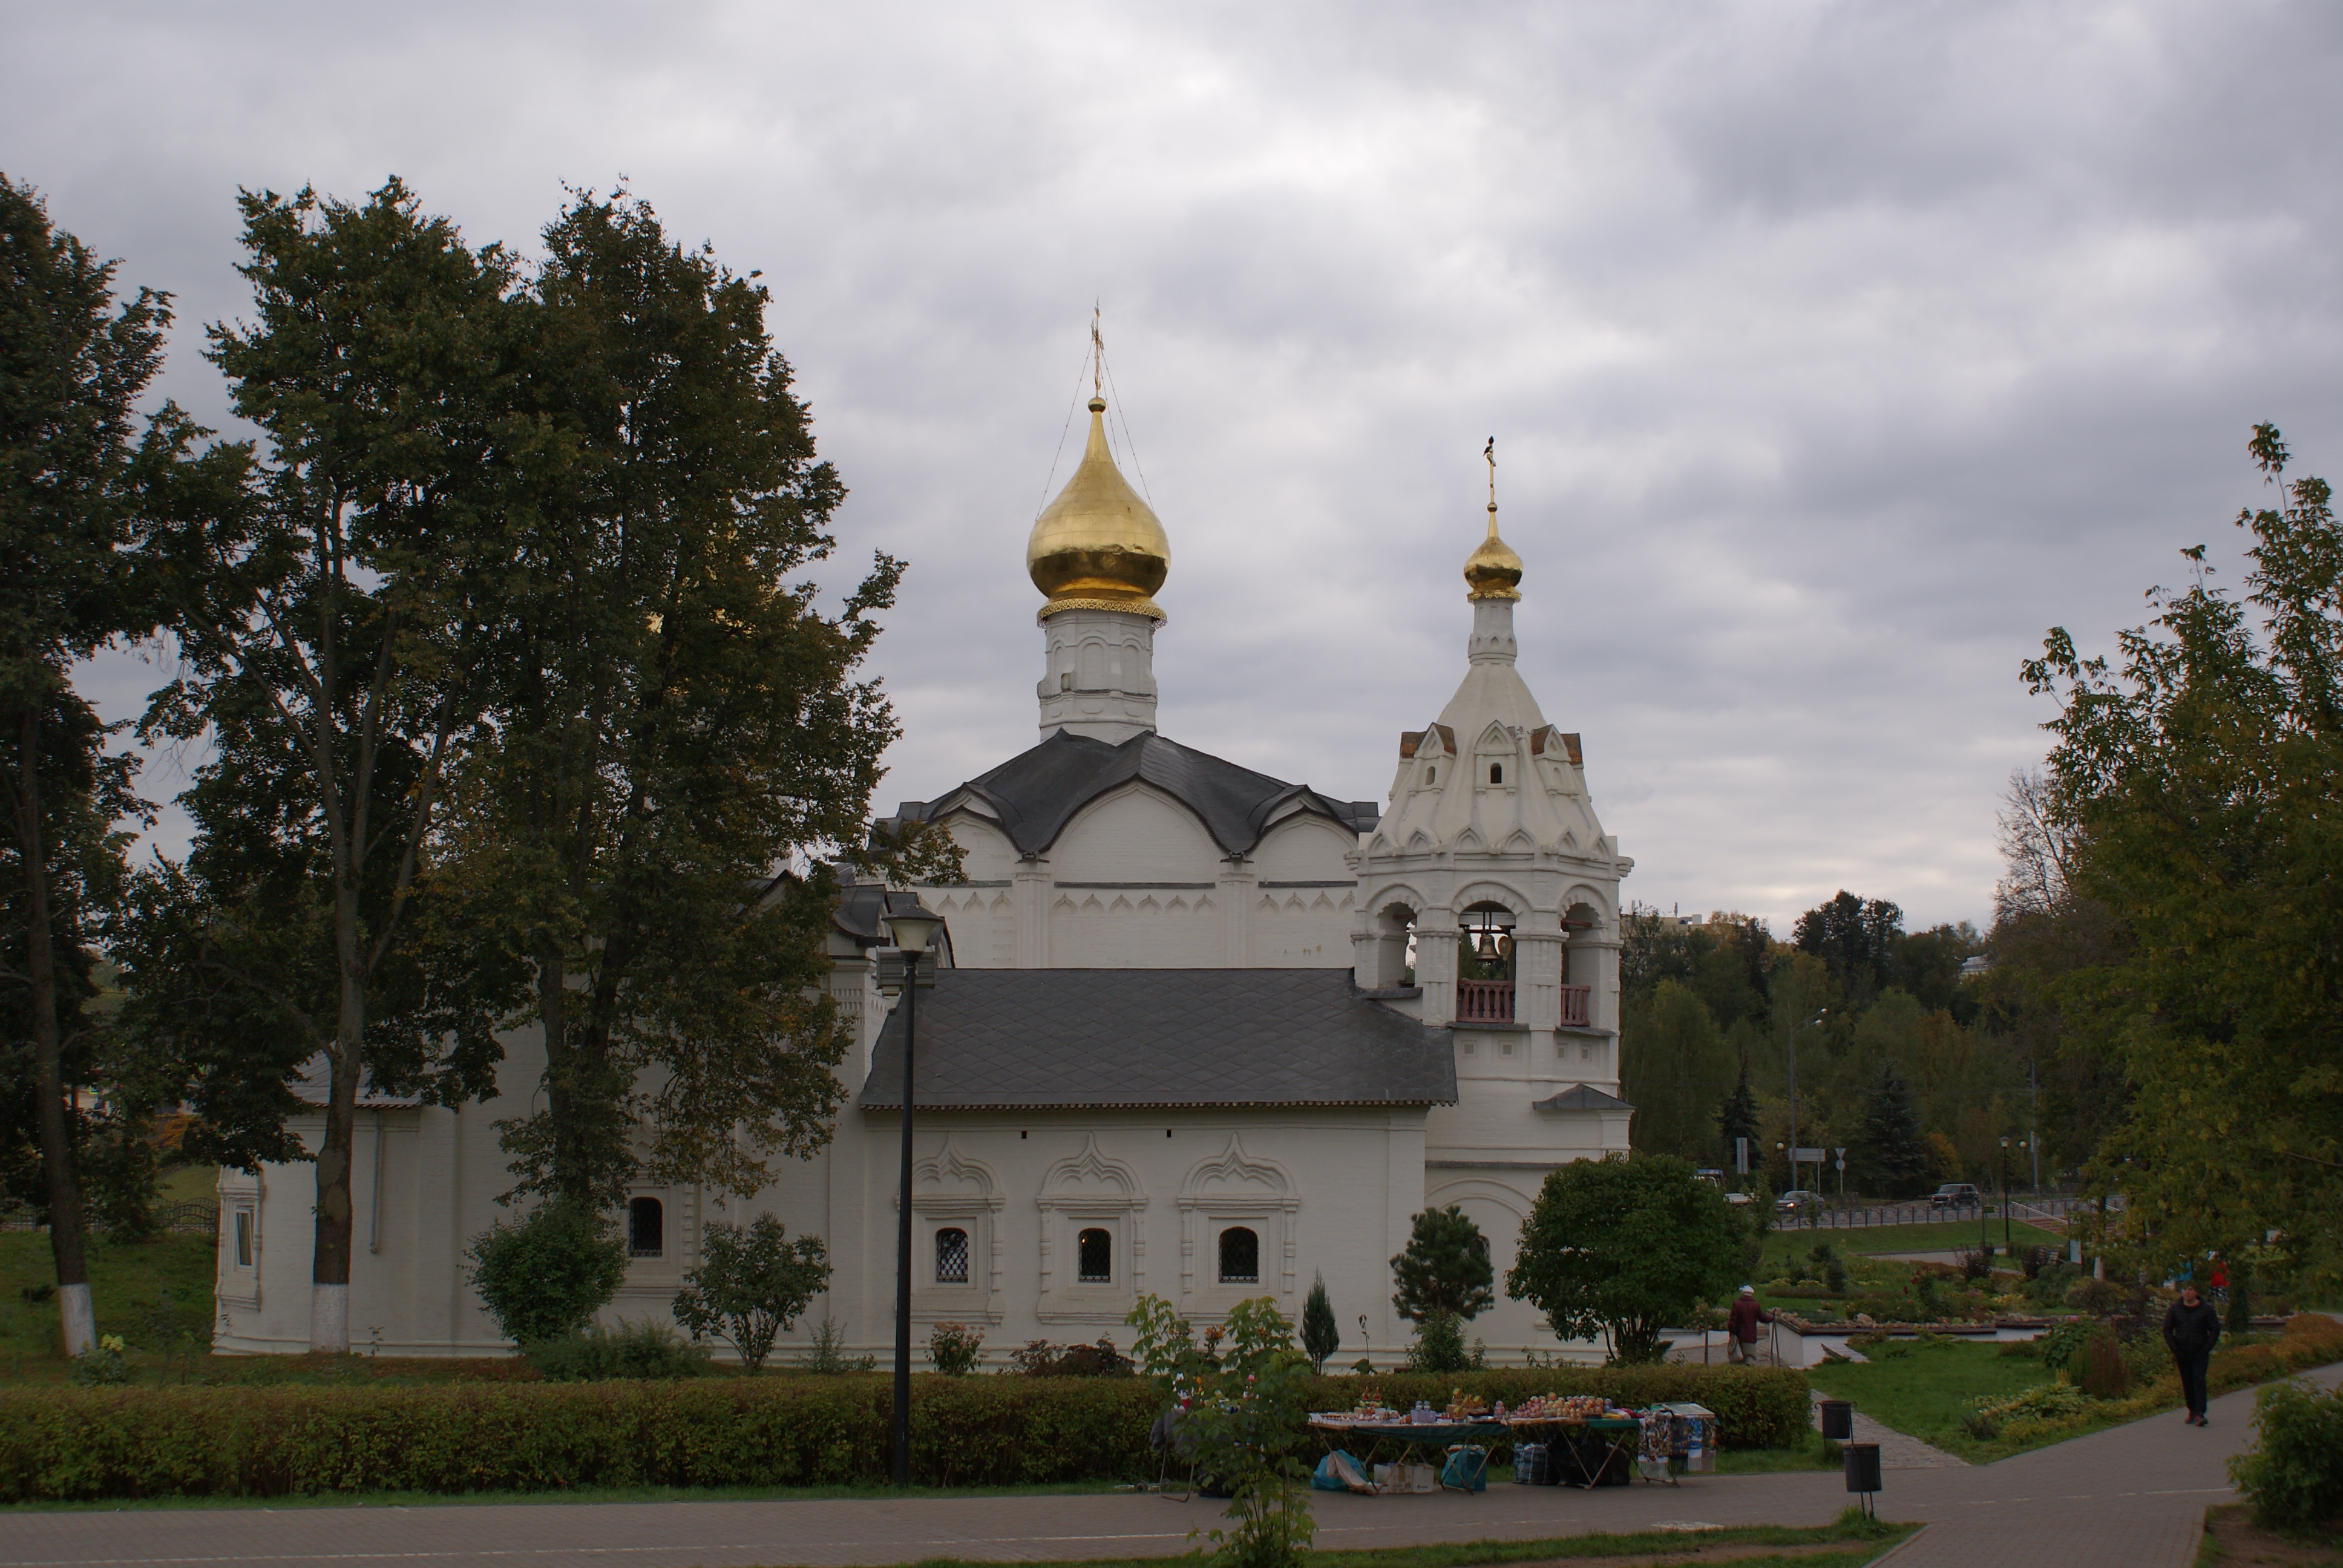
(1581, 1098)
(1101, 1038)
(1036, 793)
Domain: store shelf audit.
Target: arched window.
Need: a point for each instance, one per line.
(1496, 773)
(646, 1228)
(1240, 1257)
(1094, 1257)
(1485, 937)
(952, 1256)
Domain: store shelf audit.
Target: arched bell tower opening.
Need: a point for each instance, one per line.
(1486, 971)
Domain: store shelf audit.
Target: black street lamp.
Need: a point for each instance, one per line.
(2005, 1199)
(913, 930)
(1820, 1014)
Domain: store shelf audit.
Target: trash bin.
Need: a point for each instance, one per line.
(1838, 1420)
(1862, 1466)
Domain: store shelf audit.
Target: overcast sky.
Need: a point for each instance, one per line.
(1833, 351)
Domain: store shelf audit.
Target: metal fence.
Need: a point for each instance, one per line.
(191, 1217)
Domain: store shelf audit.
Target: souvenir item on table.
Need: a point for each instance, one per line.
(1424, 1414)
(1462, 1406)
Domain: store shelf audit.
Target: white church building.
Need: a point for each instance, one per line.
(1195, 1032)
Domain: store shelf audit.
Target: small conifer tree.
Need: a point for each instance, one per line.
(1320, 1336)
(1446, 1268)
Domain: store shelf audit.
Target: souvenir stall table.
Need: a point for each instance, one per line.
(1574, 1441)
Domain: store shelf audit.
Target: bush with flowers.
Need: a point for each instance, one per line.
(1244, 1398)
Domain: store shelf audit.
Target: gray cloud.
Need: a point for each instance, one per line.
(1833, 351)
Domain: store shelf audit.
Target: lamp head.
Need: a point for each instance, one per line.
(912, 929)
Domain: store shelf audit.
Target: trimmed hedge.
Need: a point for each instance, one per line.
(89, 1444)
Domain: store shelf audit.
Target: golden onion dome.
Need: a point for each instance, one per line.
(1492, 570)
(1098, 546)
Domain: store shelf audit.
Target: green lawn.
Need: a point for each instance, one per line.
(125, 1281)
(1925, 1392)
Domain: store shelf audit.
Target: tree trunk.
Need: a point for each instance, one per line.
(61, 1192)
(329, 1275)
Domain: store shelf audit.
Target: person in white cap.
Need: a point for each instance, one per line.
(1741, 1326)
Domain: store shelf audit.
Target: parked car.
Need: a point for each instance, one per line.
(1955, 1195)
(1738, 1200)
(1794, 1202)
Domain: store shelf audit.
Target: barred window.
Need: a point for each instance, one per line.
(1094, 1258)
(1240, 1257)
(952, 1256)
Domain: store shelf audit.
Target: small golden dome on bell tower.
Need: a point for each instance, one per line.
(1492, 570)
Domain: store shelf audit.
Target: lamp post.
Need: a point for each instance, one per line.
(1820, 1013)
(2034, 1125)
(913, 930)
(2005, 1198)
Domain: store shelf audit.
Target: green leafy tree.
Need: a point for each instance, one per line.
(330, 631)
(1320, 1335)
(1859, 941)
(75, 479)
(673, 719)
(2198, 783)
(1625, 1248)
(1675, 1065)
(751, 1284)
(1439, 1346)
(1737, 1118)
(544, 1276)
(1896, 1160)
(1444, 1267)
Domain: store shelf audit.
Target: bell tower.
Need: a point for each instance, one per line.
(1098, 553)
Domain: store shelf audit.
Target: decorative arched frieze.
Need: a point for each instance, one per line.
(1233, 1188)
(1090, 1190)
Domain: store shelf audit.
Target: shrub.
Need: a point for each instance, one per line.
(644, 1350)
(83, 1444)
(955, 1349)
(102, 1367)
(2062, 1344)
(2294, 1474)
(1039, 1358)
(750, 1285)
(2105, 1375)
(2097, 1297)
(828, 1357)
(546, 1275)
(1976, 1263)
(1439, 1347)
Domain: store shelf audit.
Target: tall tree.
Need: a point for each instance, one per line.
(1444, 1268)
(1856, 939)
(1737, 1118)
(1896, 1161)
(2200, 782)
(1675, 1065)
(331, 630)
(73, 464)
(682, 738)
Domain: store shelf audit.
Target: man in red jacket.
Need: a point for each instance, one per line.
(1741, 1326)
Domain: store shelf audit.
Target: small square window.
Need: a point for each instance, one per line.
(952, 1256)
(1094, 1257)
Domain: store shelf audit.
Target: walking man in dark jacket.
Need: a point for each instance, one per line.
(2191, 1326)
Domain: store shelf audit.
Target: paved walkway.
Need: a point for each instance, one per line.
(1896, 1452)
(2131, 1496)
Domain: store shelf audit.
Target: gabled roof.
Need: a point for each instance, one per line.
(1581, 1097)
(1097, 1039)
(1036, 793)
